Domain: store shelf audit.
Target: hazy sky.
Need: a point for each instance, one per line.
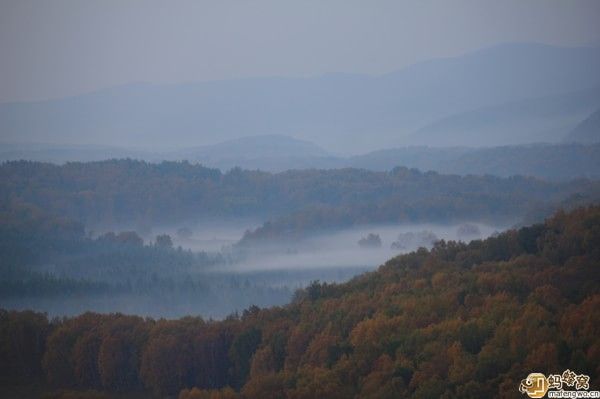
(55, 48)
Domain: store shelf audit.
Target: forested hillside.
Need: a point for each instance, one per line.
(49, 263)
(459, 321)
(133, 193)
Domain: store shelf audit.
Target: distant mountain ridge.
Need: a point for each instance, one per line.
(351, 113)
(588, 131)
(545, 119)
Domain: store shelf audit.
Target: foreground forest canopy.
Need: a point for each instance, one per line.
(459, 321)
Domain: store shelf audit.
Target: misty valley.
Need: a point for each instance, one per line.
(174, 238)
(205, 271)
(133, 278)
(299, 199)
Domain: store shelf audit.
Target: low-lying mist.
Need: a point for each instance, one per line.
(349, 248)
(208, 274)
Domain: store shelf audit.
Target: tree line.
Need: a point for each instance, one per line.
(137, 193)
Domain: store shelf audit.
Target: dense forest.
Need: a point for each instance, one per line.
(299, 200)
(139, 194)
(457, 321)
(50, 260)
(59, 254)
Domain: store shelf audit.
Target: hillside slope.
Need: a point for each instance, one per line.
(137, 194)
(588, 131)
(545, 119)
(546, 161)
(459, 321)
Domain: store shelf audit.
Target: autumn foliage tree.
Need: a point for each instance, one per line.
(459, 321)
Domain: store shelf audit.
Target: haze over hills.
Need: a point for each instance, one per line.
(276, 153)
(53, 153)
(547, 161)
(588, 131)
(247, 152)
(545, 119)
(309, 199)
(357, 112)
